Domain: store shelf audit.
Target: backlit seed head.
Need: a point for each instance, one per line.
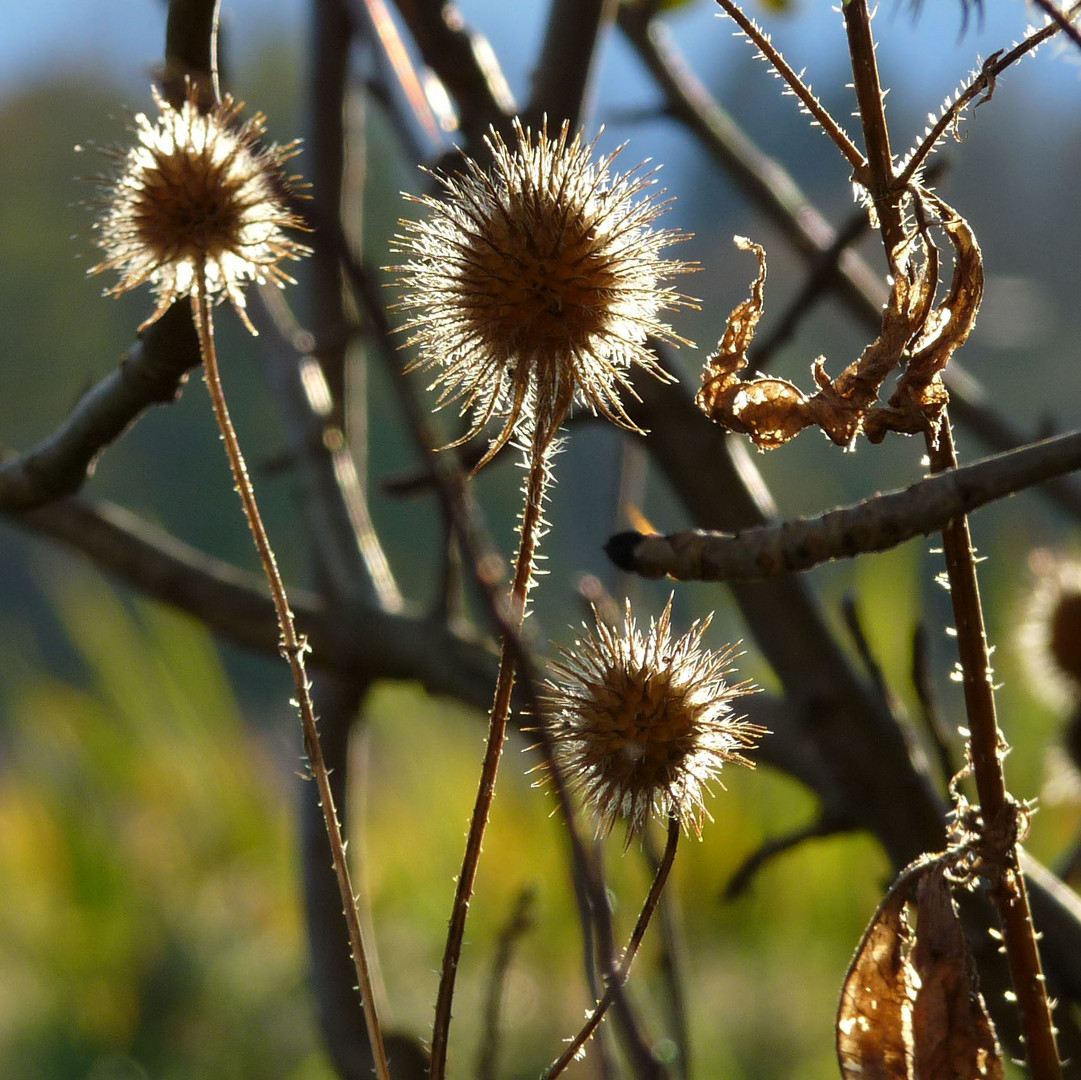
(1049, 631)
(535, 286)
(640, 724)
(197, 204)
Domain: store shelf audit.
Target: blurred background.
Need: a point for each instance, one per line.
(150, 907)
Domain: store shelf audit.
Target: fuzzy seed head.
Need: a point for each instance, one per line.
(640, 724)
(197, 205)
(1049, 631)
(535, 286)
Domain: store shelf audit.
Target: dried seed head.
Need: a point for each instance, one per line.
(536, 286)
(197, 204)
(1049, 631)
(641, 724)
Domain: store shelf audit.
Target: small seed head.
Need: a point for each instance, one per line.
(536, 286)
(640, 724)
(1049, 631)
(197, 205)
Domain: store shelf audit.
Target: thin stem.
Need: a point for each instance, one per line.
(497, 733)
(762, 43)
(988, 748)
(293, 649)
(878, 176)
(619, 976)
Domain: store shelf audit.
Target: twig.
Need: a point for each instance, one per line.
(825, 825)
(878, 176)
(619, 976)
(814, 107)
(531, 526)
(876, 524)
(987, 748)
(986, 78)
(234, 604)
(672, 964)
(153, 373)
(293, 649)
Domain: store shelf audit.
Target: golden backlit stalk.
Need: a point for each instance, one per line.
(543, 438)
(293, 648)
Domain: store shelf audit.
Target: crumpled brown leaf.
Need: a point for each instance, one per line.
(916, 337)
(910, 1006)
(951, 1031)
(874, 1022)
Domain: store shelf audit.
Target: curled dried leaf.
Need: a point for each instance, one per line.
(952, 1033)
(910, 1006)
(917, 337)
(874, 1022)
(723, 366)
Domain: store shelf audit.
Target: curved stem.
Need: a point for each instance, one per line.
(543, 436)
(619, 976)
(293, 649)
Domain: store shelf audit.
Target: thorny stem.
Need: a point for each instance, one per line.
(543, 436)
(878, 176)
(618, 977)
(293, 649)
(985, 741)
(796, 84)
(987, 748)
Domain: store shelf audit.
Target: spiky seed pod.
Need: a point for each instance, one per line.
(641, 724)
(1049, 630)
(536, 286)
(197, 197)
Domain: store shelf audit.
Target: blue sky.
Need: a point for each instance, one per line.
(125, 36)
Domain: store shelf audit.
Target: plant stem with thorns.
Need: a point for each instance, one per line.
(987, 747)
(293, 648)
(618, 977)
(986, 743)
(543, 438)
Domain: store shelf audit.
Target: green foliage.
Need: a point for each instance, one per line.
(150, 922)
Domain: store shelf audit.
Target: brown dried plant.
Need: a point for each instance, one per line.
(531, 287)
(918, 338)
(197, 210)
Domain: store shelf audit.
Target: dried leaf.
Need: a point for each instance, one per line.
(874, 1022)
(722, 367)
(917, 337)
(953, 1036)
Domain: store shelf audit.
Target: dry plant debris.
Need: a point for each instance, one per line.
(917, 337)
(911, 1006)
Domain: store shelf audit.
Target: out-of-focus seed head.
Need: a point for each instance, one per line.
(640, 724)
(197, 204)
(535, 286)
(1049, 630)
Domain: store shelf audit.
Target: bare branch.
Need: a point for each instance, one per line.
(875, 524)
(153, 373)
(568, 57)
(234, 604)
